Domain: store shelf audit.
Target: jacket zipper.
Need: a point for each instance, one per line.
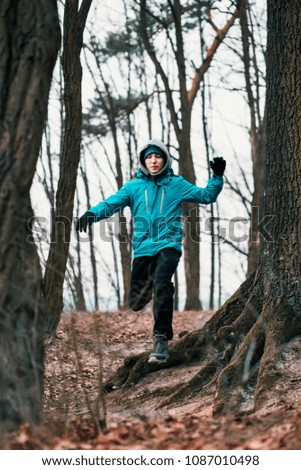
(146, 199)
(162, 200)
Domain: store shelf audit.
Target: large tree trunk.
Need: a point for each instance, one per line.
(242, 350)
(74, 23)
(30, 37)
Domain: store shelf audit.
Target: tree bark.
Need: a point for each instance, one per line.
(257, 140)
(241, 351)
(29, 38)
(74, 23)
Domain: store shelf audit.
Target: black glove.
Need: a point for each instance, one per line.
(83, 221)
(218, 166)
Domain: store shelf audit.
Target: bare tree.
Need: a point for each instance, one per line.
(74, 24)
(182, 121)
(30, 39)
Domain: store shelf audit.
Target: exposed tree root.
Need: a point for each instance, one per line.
(237, 351)
(236, 381)
(253, 373)
(281, 325)
(198, 346)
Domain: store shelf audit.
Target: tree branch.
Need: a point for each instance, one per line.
(158, 67)
(82, 14)
(210, 54)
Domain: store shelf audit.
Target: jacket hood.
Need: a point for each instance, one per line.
(157, 143)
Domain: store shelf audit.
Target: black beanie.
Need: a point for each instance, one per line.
(154, 149)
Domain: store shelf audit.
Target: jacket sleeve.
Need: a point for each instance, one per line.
(112, 204)
(207, 195)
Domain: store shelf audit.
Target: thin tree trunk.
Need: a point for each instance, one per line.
(91, 246)
(219, 255)
(123, 233)
(74, 23)
(30, 38)
(80, 303)
(212, 221)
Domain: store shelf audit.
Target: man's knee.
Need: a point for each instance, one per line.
(164, 287)
(134, 305)
(140, 294)
(138, 302)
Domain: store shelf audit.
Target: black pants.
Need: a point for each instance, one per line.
(152, 275)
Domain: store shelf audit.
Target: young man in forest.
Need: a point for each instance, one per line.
(155, 198)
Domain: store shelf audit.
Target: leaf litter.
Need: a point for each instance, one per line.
(77, 415)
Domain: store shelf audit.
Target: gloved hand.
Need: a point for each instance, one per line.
(83, 221)
(218, 166)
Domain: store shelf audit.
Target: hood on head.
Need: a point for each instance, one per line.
(158, 143)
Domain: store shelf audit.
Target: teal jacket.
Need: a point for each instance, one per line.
(156, 206)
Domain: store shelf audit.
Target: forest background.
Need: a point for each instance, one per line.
(125, 104)
(158, 73)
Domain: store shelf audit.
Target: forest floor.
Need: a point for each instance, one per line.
(89, 348)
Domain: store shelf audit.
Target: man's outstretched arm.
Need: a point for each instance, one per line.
(104, 209)
(207, 195)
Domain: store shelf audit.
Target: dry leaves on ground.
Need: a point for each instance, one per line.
(91, 346)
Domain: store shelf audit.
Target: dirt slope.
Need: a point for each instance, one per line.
(90, 348)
